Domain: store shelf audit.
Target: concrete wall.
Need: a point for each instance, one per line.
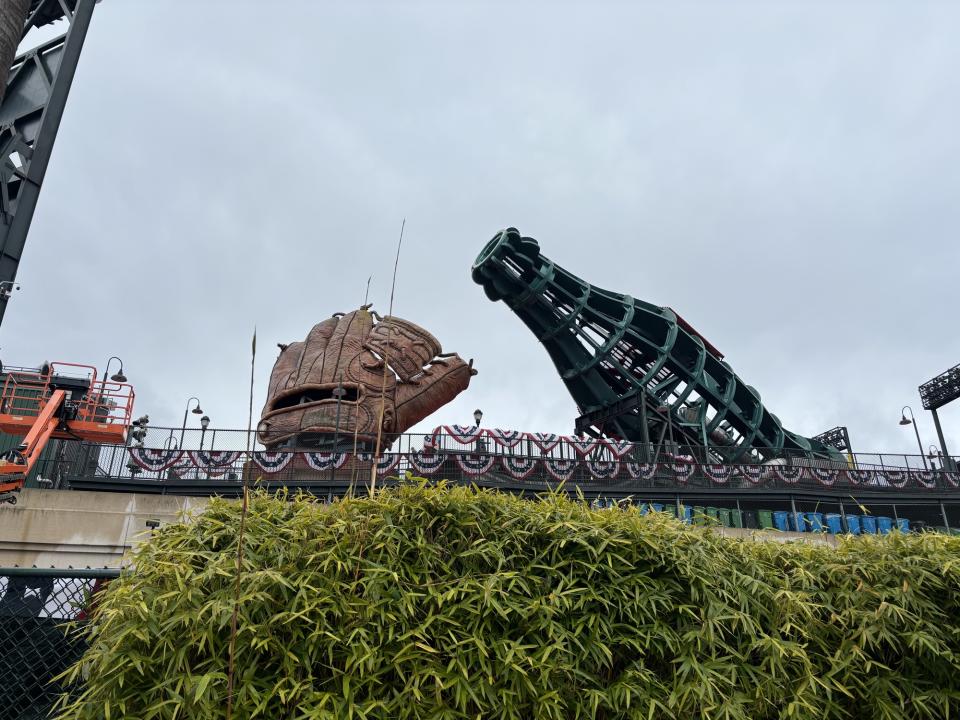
(62, 528)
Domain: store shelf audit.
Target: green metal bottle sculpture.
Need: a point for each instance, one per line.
(636, 371)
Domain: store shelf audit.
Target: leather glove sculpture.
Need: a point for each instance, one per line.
(349, 351)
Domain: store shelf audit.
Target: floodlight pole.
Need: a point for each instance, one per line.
(947, 463)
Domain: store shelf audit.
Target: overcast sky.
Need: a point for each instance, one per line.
(786, 176)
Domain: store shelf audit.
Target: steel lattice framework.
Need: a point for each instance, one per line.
(634, 369)
(30, 114)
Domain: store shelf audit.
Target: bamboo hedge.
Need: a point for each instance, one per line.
(449, 602)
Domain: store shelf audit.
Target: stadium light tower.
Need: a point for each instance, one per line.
(936, 393)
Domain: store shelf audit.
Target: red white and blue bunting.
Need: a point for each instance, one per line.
(861, 477)
(718, 473)
(424, 463)
(682, 472)
(619, 448)
(753, 473)
(272, 462)
(924, 478)
(789, 474)
(475, 465)
(385, 464)
(155, 460)
(641, 471)
(895, 478)
(216, 459)
(325, 461)
(428, 462)
(545, 441)
(518, 466)
(506, 438)
(583, 446)
(824, 476)
(560, 469)
(603, 469)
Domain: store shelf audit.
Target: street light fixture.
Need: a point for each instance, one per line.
(195, 411)
(913, 421)
(117, 376)
(477, 416)
(204, 424)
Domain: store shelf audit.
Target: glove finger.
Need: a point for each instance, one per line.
(343, 344)
(410, 346)
(284, 368)
(444, 380)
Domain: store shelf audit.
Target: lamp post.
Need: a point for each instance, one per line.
(913, 421)
(204, 424)
(195, 411)
(481, 443)
(116, 377)
(933, 452)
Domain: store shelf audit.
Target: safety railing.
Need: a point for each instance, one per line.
(37, 608)
(493, 457)
(103, 401)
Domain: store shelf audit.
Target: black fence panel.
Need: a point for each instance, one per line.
(37, 643)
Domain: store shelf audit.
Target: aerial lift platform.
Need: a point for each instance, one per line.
(57, 401)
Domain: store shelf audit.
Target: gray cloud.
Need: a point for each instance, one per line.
(784, 176)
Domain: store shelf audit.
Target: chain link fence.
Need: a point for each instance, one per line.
(38, 640)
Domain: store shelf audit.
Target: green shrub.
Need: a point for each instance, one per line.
(435, 602)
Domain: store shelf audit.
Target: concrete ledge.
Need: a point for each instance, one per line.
(61, 528)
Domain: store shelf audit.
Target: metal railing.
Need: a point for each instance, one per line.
(36, 644)
(221, 460)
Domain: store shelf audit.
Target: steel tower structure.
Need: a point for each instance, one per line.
(30, 114)
(636, 371)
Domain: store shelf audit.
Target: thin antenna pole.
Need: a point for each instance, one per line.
(243, 524)
(386, 356)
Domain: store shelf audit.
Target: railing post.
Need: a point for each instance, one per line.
(943, 511)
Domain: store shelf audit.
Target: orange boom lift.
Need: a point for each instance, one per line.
(60, 400)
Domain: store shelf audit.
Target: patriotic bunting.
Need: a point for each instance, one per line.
(506, 438)
(545, 441)
(924, 478)
(155, 460)
(518, 466)
(682, 471)
(214, 459)
(583, 446)
(325, 461)
(603, 469)
(641, 471)
(272, 462)
(753, 473)
(385, 464)
(426, 463)
(824, 476)
(560, 469)
(896, 478)
(464, 434)
(718, 473)
(860, 477)
(788, 473)
(619, 447)
(475, 465)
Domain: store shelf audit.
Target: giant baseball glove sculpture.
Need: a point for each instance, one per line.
(350, 351)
